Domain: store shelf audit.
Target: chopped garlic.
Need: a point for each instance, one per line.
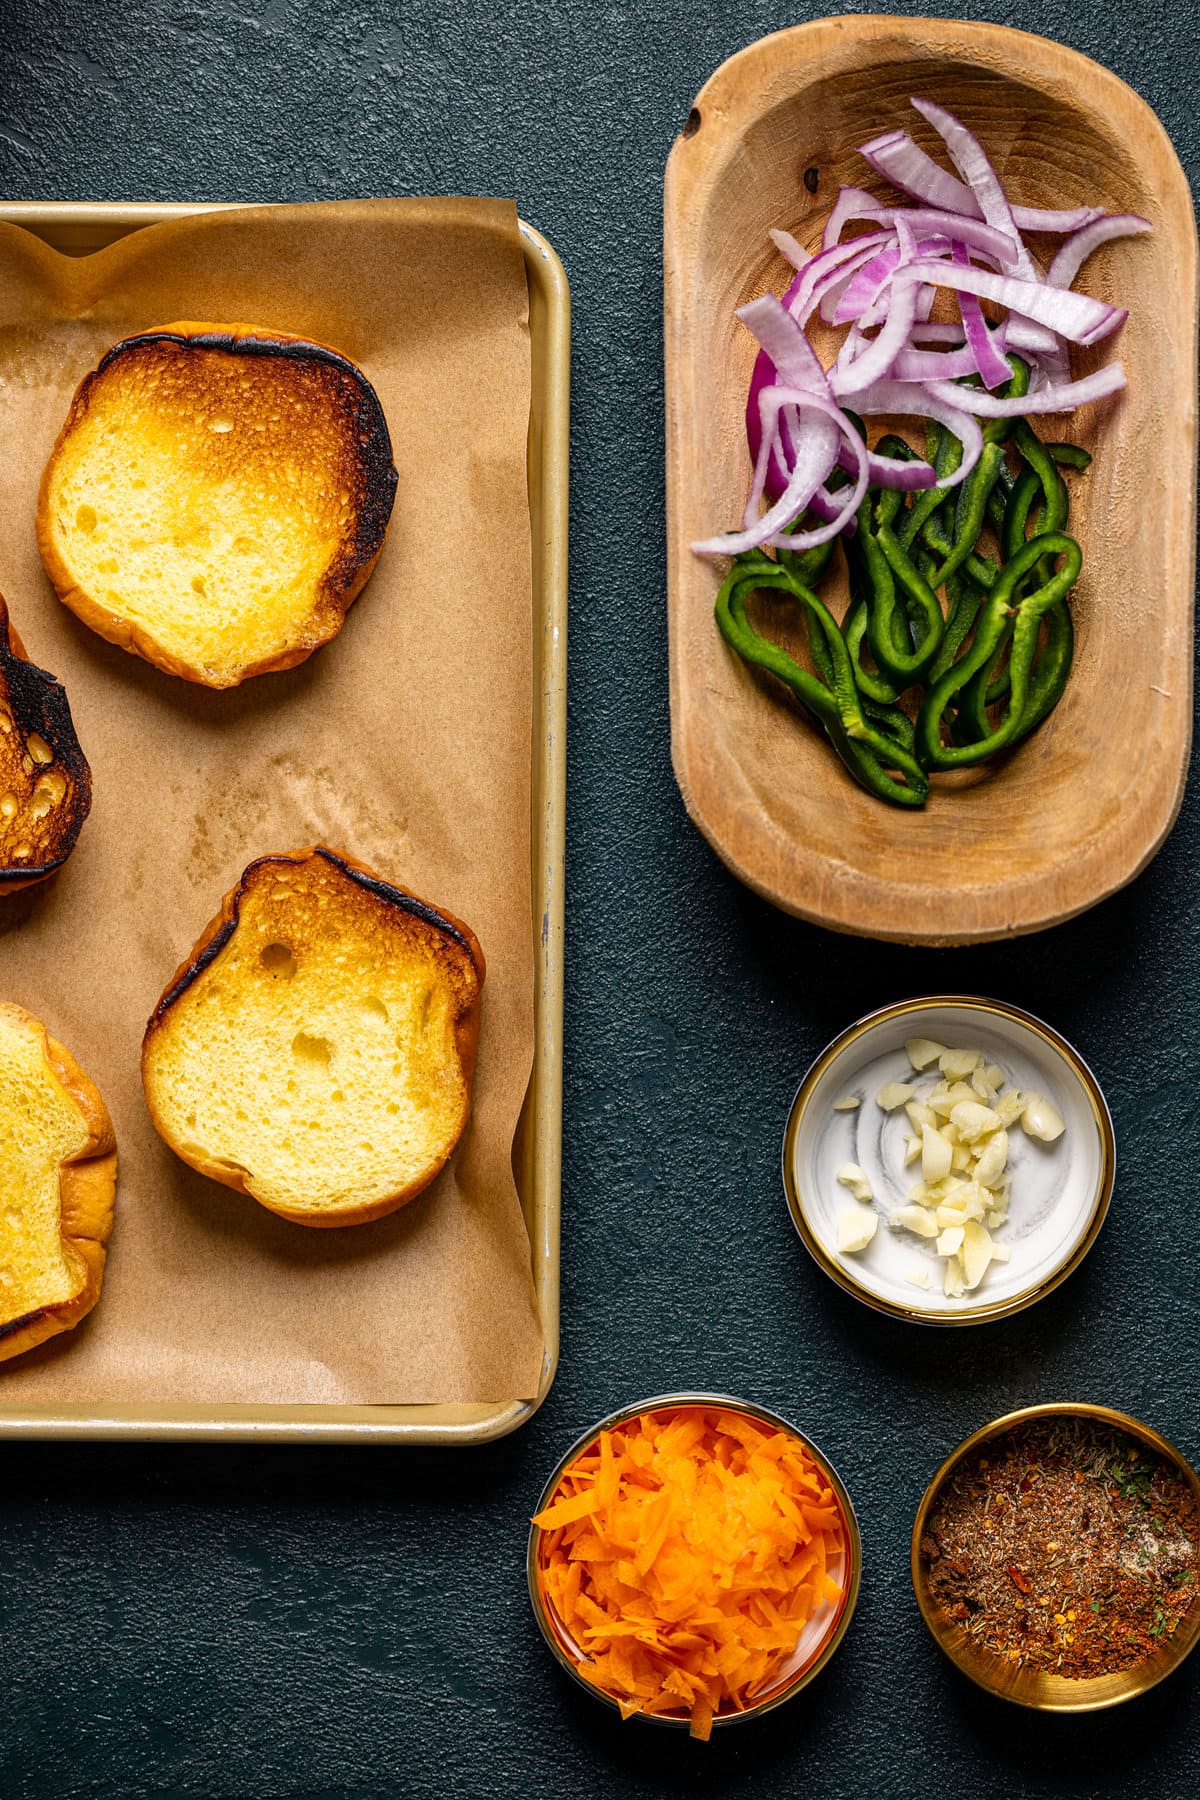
(1009, 1106)
(1041, 1120)
(983, 1087)
(847, 1103)
(958, 1064)
(960, 1136)
(992, 1158)
(936, 1155)
(857, 1225)
(952, 1281)
(851, 1176)
(973, 1121)
(918, 1278)
(976, 1253)
(915, 1219)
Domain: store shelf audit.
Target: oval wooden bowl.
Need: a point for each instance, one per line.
(1084, 804)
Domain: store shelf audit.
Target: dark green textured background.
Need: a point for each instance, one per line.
(332, 1625)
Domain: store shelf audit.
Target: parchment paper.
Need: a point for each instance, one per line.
(405, 741)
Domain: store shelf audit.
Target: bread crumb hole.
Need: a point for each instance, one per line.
(220, 422)
(86, 519)
(40, 804)
(312, 1049)
(8, 806)
(277, 959)
(39, 749)
(198, 586)
(376, 1008)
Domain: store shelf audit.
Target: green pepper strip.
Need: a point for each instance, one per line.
(1027, 613)
(998, 498)
(808, 566)
(924, 607)
(1028, 491)
(1051, 669)
(890, 640)
(867, 752)
(965, 597)
(946, 457)
(870, 684)
(981, 569)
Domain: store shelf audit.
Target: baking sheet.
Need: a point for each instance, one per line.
(388, 742)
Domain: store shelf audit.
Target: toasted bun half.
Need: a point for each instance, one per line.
(217, 498)
(316, 1049)
(45, 781)
(58, 1176)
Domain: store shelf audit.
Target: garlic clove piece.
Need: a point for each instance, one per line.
(856, 1227)
(923, 1051)
(936, 1155)
(1041, 1120)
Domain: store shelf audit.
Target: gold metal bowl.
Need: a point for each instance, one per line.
(879, 1034)
(1035, 1687)
(813, 1657)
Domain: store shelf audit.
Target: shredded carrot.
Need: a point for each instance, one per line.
(683, 1553)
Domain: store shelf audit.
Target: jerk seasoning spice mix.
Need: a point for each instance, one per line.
(1065, 1546)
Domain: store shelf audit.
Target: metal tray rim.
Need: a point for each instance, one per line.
(537, 1157)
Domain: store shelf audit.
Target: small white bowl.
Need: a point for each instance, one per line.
(1060, 1191)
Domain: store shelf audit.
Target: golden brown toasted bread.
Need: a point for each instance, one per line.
(217, 498)
(58, 1173)
(45, 782)
(317, 1047)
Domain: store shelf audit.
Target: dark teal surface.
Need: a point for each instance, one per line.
(333, 1625)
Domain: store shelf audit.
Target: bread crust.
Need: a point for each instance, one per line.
(38, 703)
(87, 1187)
(216, 935)
(346, 576)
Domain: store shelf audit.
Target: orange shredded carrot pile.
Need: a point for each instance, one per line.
(683, 1552)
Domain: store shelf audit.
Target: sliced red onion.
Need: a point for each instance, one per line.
(908, 397)
(936, 365)
(1074, 316)
(769, 529)
(1038, 340)
(1061, 398)
(786, 350)
(789, 249)
(902, 162)
(819, 271)
(992, 367)
(851, 203)
(970, 159)
(892, 471)
(869, 282)
(1001, 246)
(876, 359)
(1079, 247)
(939, 333)
(783, 339)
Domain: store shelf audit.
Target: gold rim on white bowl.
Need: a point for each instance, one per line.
(842, 1269)
(1036, 1688)
(557, 1638)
